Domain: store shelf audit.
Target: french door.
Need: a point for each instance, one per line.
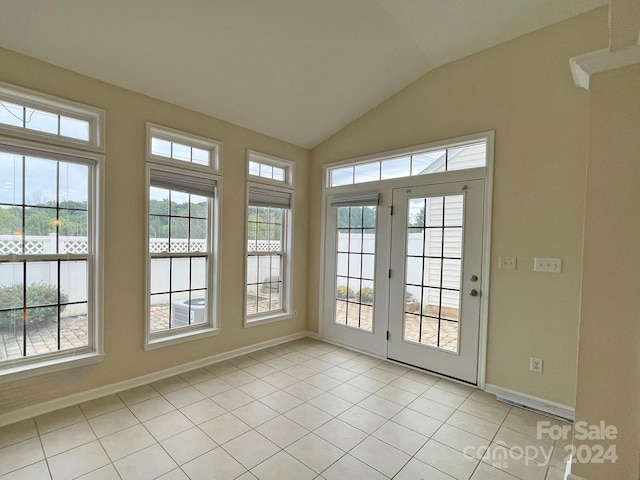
(436, 266)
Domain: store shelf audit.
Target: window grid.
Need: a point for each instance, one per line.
(265, 245)
(182, 244)
(21, 116)
(355, 267)
(440, 222)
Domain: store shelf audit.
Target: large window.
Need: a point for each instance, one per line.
(182, 293)
(269, 219)
(49, 264)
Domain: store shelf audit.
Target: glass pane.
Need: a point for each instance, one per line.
(159, 312)
(74, 128)
(430, 302)
(433, 211)
(414, 271)
(42, 284)
(411, 327)
(354, 265)
(197, 307)
(415, 242)
(158, 234)
(158, 201)
(42, 330)
(342, 265)
(453, 210)
(453, 242)
(341, 176)
(74, 326)
(160, 147)
(368, 266)
(252, 299)
(254, 169)
(73, 226)
(201, 157)
(451, 304)
(433, 239)
(73, 191)
(179, 204)
(160, 268)
(343, 217)
(266, 171)
(198, 273)
(341, 311)
(11, 224)
(278, 174)
(428, 162)
(11, 278)
(11, 114)
(198, 206)
(181, 152)
(355, 240)
(416, 212)
(451, 272)
(40, 181)
(198, 240)
(449, 334)
(73, 281)
(369, 217)
(368, 172)
(180, 274)
(11, 335)
(42, 121)
(366, 292)
(469, 156)
(10, 178)
(40, 222)
(429, 327)
(432, 272)
(396, 168)
(179, 234)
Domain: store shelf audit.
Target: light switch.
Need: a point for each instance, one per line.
(547, 264)
(507, 263)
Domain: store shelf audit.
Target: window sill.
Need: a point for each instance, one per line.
(269, 318)
(186, 336)
(57, 364)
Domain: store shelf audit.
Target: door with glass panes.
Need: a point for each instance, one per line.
(436, 260)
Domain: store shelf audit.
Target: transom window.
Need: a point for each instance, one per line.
(40, 116)
(174, 146)
(266, 167)
(458, 157)
(182, 275)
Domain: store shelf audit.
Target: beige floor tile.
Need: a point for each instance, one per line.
(100, 406)
(67, 438)
(176, 474)
(417, 422)
(279, 363)
(232, 399)
(258, 388)
(444, 397)
(255, 413)
(224, 428)
(540, 450)
(17, 432)
(78, 461)
(262, 355)
(281, 401)
(454, 387)
(495, 412)
(521, 467)
(369, 385)
(188, 445)
(108, 472)
(299, 371)
(196, 376)
(340, 434)
(19, 455)
(323, 381)
(59, 418)
(280, 380)
(283, 466)
(487, 472)
(260, 370)
(213, 387)
(330, 404)
(410, 385)
(472, 424)
(381, 456)
(112, 422)
(461, 440)
(362, 419)
(314, 452)
(421, 377)
(220, 368)
(349, 393)
(167, 425)
(417, 470)
(35, 471)
(169, 384)
(237, 378)
(317, 365)
(214, 465)
(555, 474)
(304, 391)
(202, 411)
(381, 406)
(154, 407)
(251, 448)
(400, 437)
(184, 396)
(125, 442)
(483, 397)
(382, 375)
(137, 394)
(527, 423)
(282, 431)
(430, 408)
(146, 464)
(308, 416)
(341, 374)
(448, 460)
(396, 395)
(242, 361)
(349, 467)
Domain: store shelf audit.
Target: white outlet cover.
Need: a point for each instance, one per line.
(547, 265)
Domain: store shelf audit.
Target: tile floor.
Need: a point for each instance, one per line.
(302, 410)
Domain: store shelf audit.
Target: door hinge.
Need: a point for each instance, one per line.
(389, 273)
(387, 334)
(391, 209)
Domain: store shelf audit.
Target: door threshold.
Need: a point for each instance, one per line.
(431, 372)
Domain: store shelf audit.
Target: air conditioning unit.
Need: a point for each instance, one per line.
(188, 312)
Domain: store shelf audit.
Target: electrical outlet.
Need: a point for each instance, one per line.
(295, 313)
(535, 365)
(547, 264)
(507, 263)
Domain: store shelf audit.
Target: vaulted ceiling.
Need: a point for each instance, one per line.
(297, 70)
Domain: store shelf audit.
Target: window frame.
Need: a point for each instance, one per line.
(286, 270)
(154, 340)
(41, 101)
(93, 352)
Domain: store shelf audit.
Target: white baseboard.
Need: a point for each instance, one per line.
(532, 403)
(70, 400)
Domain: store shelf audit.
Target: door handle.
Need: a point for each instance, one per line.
(474, 293)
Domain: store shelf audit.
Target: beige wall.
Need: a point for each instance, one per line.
(609, 350)
(125, 194)
(523, 90)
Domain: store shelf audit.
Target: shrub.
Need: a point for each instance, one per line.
(343, 292)
(366, 295)
(37, 294)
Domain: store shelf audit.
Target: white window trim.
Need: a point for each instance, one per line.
(94, 353)
(286, 312)
(29, 98)
(211, 327)
(214, 147)
(288, 167)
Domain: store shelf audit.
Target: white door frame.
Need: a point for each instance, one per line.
(386, 187)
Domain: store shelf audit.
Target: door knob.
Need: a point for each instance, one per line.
(473, 293)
